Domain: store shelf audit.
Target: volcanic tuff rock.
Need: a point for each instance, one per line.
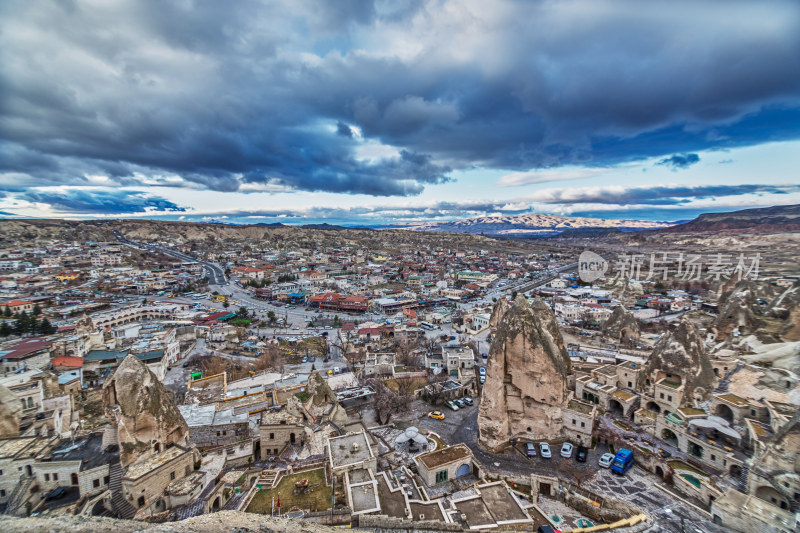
(621, 325)
(526, 379)
(10, 413)
(681, 352)
(759, 308)
(497, 313)
(142, 410)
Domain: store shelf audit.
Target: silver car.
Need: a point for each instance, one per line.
(606, 460)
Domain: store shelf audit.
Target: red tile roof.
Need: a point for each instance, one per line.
(67, 362)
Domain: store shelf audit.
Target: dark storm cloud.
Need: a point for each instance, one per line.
(679, 161)
(343, 129)
(99, 202)
(226, 94)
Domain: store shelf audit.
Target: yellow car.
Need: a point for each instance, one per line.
(436, 414)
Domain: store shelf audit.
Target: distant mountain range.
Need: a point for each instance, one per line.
(776, 219)
(531, 225)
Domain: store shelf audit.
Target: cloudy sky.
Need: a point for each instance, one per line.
(368, 112)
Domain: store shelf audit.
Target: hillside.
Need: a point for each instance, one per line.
(31, 232)
(776, 219)
(531, 225)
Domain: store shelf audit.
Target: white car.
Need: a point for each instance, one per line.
(606, 460)
(566, 450)
(544, 450)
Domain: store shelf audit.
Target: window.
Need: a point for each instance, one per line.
(47, 477)
(669, 398)
(713, 457)
(583, 424)
(106, 480)
(271, 436)
(171, 475)
(55, 477)
(574, 421)
(2, 493)
(441, 476)
(630, 385)
(662, 395)
(752, 412)
(1, 472)
(95, 483)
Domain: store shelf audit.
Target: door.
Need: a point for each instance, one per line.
(463, 470)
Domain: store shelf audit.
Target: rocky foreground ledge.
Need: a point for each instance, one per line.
(223, 521)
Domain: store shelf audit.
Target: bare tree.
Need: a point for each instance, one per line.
(388, 402)
(406, 353)
(435, 390)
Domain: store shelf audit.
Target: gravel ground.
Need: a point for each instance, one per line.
(228, 521)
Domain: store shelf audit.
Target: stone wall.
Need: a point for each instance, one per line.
(153, 483)
(87, 478)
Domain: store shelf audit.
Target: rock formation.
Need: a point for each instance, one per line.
(786, 307)
(10, 413)
(739, 310)
(758, 308)
(621, 326)
(681, 352)
(499, 310)
(142, 410)
(526, 379)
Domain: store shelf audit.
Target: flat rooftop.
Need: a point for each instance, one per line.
(444, 456)
(501, 504)
(145, 465)
(349, 449)
(88, 450)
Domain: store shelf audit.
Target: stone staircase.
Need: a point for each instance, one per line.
(121, 506)
(267, 479)
(723, 384)
(18, 495)
(741, 480)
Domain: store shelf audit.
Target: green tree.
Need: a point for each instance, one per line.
(226, 305)
(144, 301)
(271, 316)
(242, 311)
(5, 329)
(22, 324)
(37, 310)
(7, 311)
(46, 327)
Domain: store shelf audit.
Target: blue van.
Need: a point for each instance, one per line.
(622, 462)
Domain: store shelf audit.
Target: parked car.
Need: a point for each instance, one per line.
(606, 459)
(581, 454)
(483, 380)
(56, 493)
(485, 355)
(459, 402)
(530, 449)
(482, 371)
(436, 415)
(566, 450)
(452, 406)
(544, 449)
(305, 360)
(467, 401)
(312, 359)
(622, 461)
